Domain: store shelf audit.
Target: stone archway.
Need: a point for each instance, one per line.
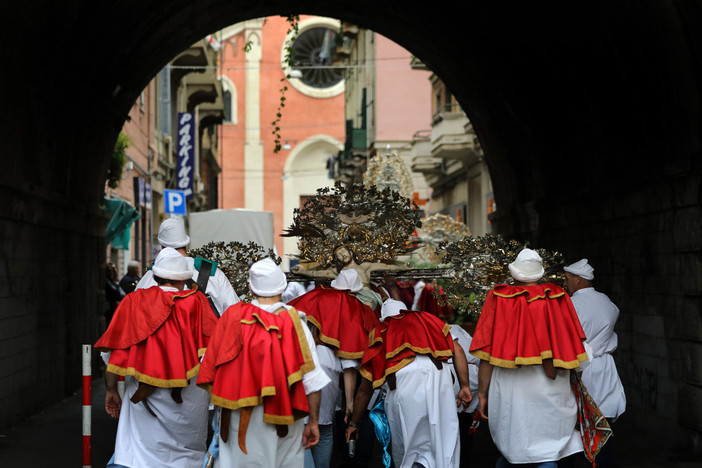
(589, 116)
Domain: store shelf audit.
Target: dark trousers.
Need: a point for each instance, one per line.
(464, 422)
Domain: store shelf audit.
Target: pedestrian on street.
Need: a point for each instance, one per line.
(264, 376)
(131, 278)
(598, 316)
(155, 340)
(113, 294)
(528, 338)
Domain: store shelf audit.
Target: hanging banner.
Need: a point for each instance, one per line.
(186, 153)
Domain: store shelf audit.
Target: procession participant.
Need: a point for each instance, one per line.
(320, 455)
(408, 354)
(428, 302)
(528, 338)
(263, 373)
(466, 422)
(343, 322)
(155, 339)
(598, 315)
(217, 286)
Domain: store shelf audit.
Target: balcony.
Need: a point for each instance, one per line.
(422, 160)
(452, 137)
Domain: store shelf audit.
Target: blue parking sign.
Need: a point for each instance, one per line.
(174, 201)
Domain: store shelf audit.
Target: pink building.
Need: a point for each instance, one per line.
(312, 127)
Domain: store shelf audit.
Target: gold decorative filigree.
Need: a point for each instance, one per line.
(235, 259)
(374, 224)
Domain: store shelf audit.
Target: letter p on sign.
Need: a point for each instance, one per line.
(174, 202)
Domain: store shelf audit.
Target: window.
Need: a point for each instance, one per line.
(312, 53)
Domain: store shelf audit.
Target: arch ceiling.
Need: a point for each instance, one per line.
(571, 101)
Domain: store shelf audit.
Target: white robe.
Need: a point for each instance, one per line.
(464, 339)
(422, 416)
(218, 287)
(176, 438)
(531, 417)
(265, 449)
(597, 316)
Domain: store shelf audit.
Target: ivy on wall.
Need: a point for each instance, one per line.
(117, 161)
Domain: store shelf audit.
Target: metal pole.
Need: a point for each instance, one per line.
(87, 401)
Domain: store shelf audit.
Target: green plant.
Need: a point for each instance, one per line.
(117, 161)
(293, 21)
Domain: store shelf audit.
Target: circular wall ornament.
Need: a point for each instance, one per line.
(312, 72)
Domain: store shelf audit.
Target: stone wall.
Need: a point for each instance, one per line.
(644, 241)
(51, 286)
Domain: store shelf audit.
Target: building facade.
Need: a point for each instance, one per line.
(187, 90)
(395, 103)
(267, 170)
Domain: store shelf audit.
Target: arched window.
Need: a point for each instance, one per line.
(229, 98)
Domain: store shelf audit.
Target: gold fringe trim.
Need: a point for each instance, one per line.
(530, 361)
(304, 346)
(147, 379)
(426, 351)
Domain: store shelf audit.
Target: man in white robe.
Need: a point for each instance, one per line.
(598, 315)
(160, 433)
(265, 448)
(532, 410)
(420, 406)
(465, 414)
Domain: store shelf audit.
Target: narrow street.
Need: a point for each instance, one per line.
(53, 438)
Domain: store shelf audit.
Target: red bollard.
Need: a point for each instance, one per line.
(87, 402)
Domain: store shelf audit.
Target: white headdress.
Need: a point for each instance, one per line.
(581, 268)
(266, 279)
(172, 234)
(391, 307)
(170, 264)
(347, 279)
(527, 267)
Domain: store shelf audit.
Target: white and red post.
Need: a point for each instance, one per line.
(87, 401)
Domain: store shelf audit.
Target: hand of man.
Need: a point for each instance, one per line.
(351, 432)
(310, 436)
(482, 406)
(464, 397)
(113, 403)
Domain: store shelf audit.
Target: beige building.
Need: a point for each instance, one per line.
(452, 161)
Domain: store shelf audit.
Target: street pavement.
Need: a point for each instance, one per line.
(53, 438)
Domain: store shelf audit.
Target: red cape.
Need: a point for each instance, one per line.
(406, 292)
(429, 303)
(342, 320)
(256, 357)
(523, 325)
(158, 336)
(395, 343)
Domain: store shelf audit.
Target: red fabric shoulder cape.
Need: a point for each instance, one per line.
(523, 325)
(256, 357)
(342, 320)
(395, 343)
(429, 303)
(158, 336)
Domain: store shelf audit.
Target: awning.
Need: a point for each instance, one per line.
(122, 215)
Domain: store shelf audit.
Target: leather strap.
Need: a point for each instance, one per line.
(224, 419)
(244, 419)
